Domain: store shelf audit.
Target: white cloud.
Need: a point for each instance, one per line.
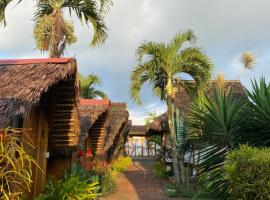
(139, 113)
(224, 28)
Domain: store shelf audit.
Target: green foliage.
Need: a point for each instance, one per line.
(69, 188)
(15, 163)
(79, 171)
(160, 63)
(186, 192)
(78, 184)
(43, 32)
(216, 127)
(121, 164)
(247, 173)
(160, 171)
(108, 182)
(154, 139)
(87, 87)
(151, 116)
(88, 12)
(258, 111)
(108, 176)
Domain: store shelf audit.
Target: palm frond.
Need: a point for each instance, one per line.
(101, 94)
(150, 50)
(138, 77)
(105, 6)
(87, 86)
(87, 11)
(180, 38)
(258, 111)
(195, 63)
(3, 6)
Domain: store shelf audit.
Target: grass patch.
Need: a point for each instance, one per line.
(187, 192)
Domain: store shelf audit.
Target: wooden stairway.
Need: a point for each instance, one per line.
(64, 123)
(97, 134)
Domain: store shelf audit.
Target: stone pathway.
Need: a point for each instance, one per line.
(138, 183)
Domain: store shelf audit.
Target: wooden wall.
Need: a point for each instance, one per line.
(39, 134)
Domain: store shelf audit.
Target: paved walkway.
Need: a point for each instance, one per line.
(138, 183)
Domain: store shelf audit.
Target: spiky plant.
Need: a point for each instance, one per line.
(216, 127)
(159, 65)
(15, 164)
(258, 112)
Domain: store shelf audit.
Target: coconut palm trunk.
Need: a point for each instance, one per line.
(173, 144)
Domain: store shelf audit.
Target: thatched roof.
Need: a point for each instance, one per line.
(160, 124)
(183, 100)
(118, 118)
(24, 81)
(90, 110)
(137, 131)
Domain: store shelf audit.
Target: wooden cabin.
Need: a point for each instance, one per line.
(41, 95)
(103, 126)
(118, 130)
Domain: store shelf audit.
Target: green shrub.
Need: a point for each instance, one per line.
(15, 163)
(247, 172)
(108, 182)
(108, 176)
(160, 171)
(79, 184)
(78, 170)
(121, 164)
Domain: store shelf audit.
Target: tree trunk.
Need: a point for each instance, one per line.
(173, 145)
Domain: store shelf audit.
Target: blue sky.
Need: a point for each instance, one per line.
(224, 29)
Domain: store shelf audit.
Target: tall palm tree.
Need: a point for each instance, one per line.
(52, 32)
(159, 65)
(87, 87)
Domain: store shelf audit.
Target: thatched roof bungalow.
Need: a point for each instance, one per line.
(118, 129)
(41, 95)
(102, 125)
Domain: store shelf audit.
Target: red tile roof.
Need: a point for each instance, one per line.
(33, 61)
(89, 102)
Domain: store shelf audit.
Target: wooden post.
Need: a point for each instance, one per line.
(142, 146)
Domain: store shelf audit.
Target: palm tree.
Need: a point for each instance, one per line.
(87, 87)
(52, 32)
(159, 64)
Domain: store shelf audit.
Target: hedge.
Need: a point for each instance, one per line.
(247, 171)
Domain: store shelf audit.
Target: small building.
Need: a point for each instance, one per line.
(41, 96)
(142, 143)
(104, 127)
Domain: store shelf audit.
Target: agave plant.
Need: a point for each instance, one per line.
(216, 126)
(258, 112)
(15, 164)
